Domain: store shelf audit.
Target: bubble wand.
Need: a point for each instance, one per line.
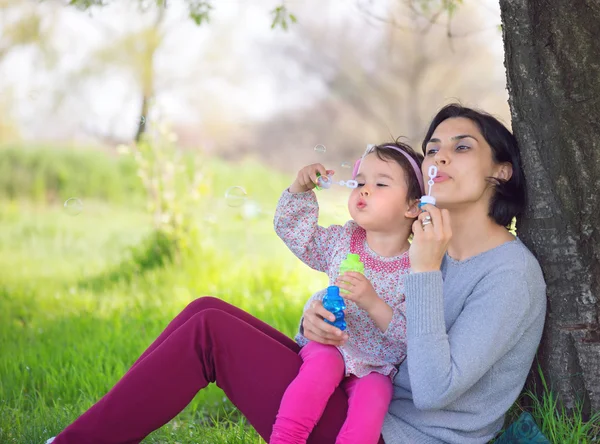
(325, 182)
(428, 198)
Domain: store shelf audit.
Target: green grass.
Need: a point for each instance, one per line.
(71, 323)
(44, 174)
(557, 423)
(63, 343)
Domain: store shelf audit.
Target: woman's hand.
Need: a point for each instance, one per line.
(307, 178)
(359, 288)
(316, 329)
(430, 241)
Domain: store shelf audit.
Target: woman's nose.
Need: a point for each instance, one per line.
(441, 158)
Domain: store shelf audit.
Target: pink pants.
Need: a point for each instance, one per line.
(305, 399)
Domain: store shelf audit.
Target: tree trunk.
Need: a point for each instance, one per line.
(144, 108)
(153, 39)
(552, 58)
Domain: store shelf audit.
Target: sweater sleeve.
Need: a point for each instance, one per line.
(296, 223)
(396, 331)
(444, 365)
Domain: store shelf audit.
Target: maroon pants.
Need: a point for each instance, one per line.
(209, 341)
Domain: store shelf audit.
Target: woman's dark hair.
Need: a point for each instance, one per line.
(385, 152)
(510, 196)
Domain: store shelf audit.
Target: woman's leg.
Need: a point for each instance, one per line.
(369, 398)
(252, 366)
(305, 399)
(197, 305)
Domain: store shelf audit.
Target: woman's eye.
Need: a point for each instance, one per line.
(462, 148)
(431, 151)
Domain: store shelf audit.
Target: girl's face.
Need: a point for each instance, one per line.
(379, 202)
(464, 161)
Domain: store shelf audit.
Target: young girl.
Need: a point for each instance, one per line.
(383, 208)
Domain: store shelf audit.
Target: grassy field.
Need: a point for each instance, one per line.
(72, 321)
(64, 342)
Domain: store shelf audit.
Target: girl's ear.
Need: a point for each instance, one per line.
(413, 210)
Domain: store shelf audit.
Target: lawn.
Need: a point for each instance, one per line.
(74, 315)
(69, 329)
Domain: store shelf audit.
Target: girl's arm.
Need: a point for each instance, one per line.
(296, 223)
(391, 320)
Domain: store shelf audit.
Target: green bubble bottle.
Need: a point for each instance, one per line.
(351, 263)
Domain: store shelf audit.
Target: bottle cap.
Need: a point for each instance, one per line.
(333, 291)
(353, 257)
(427, 200)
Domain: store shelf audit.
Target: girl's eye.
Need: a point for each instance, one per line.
(381, 185)
(360, 185)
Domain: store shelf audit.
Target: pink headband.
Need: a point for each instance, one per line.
(404, 153)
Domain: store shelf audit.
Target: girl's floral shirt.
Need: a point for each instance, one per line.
(368, 349)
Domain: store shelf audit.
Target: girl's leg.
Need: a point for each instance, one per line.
(305, 399)
(252, 366)
(368, 400)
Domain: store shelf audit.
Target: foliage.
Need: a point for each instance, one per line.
(198, 10)
(281, 15)
(170, 187)
(433, 6)
(49, 175)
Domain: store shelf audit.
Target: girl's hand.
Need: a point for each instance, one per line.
(307, 178)
(430, 241)
(360, 290)
(316, 329)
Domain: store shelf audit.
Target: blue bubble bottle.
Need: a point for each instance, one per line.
(334, 303)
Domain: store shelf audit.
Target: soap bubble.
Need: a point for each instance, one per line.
(347, 165)
(73, 206)
(320, 148)
(211, 219)
(235, 196)
(251, 210)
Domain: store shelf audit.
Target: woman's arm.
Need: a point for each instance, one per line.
(442, 366)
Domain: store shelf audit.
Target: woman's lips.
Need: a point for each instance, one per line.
(441, 178)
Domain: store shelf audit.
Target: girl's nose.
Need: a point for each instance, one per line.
(364, 191)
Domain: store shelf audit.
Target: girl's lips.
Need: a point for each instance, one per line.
(361, 204)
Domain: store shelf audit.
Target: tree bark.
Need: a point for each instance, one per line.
(552, 58)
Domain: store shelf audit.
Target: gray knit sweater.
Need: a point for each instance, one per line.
(472, 331)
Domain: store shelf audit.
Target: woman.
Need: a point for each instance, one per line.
(475, 311)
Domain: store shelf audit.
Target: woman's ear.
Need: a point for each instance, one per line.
(504, 171)
(413, 210)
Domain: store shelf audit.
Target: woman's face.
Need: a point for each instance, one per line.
(464, 161)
